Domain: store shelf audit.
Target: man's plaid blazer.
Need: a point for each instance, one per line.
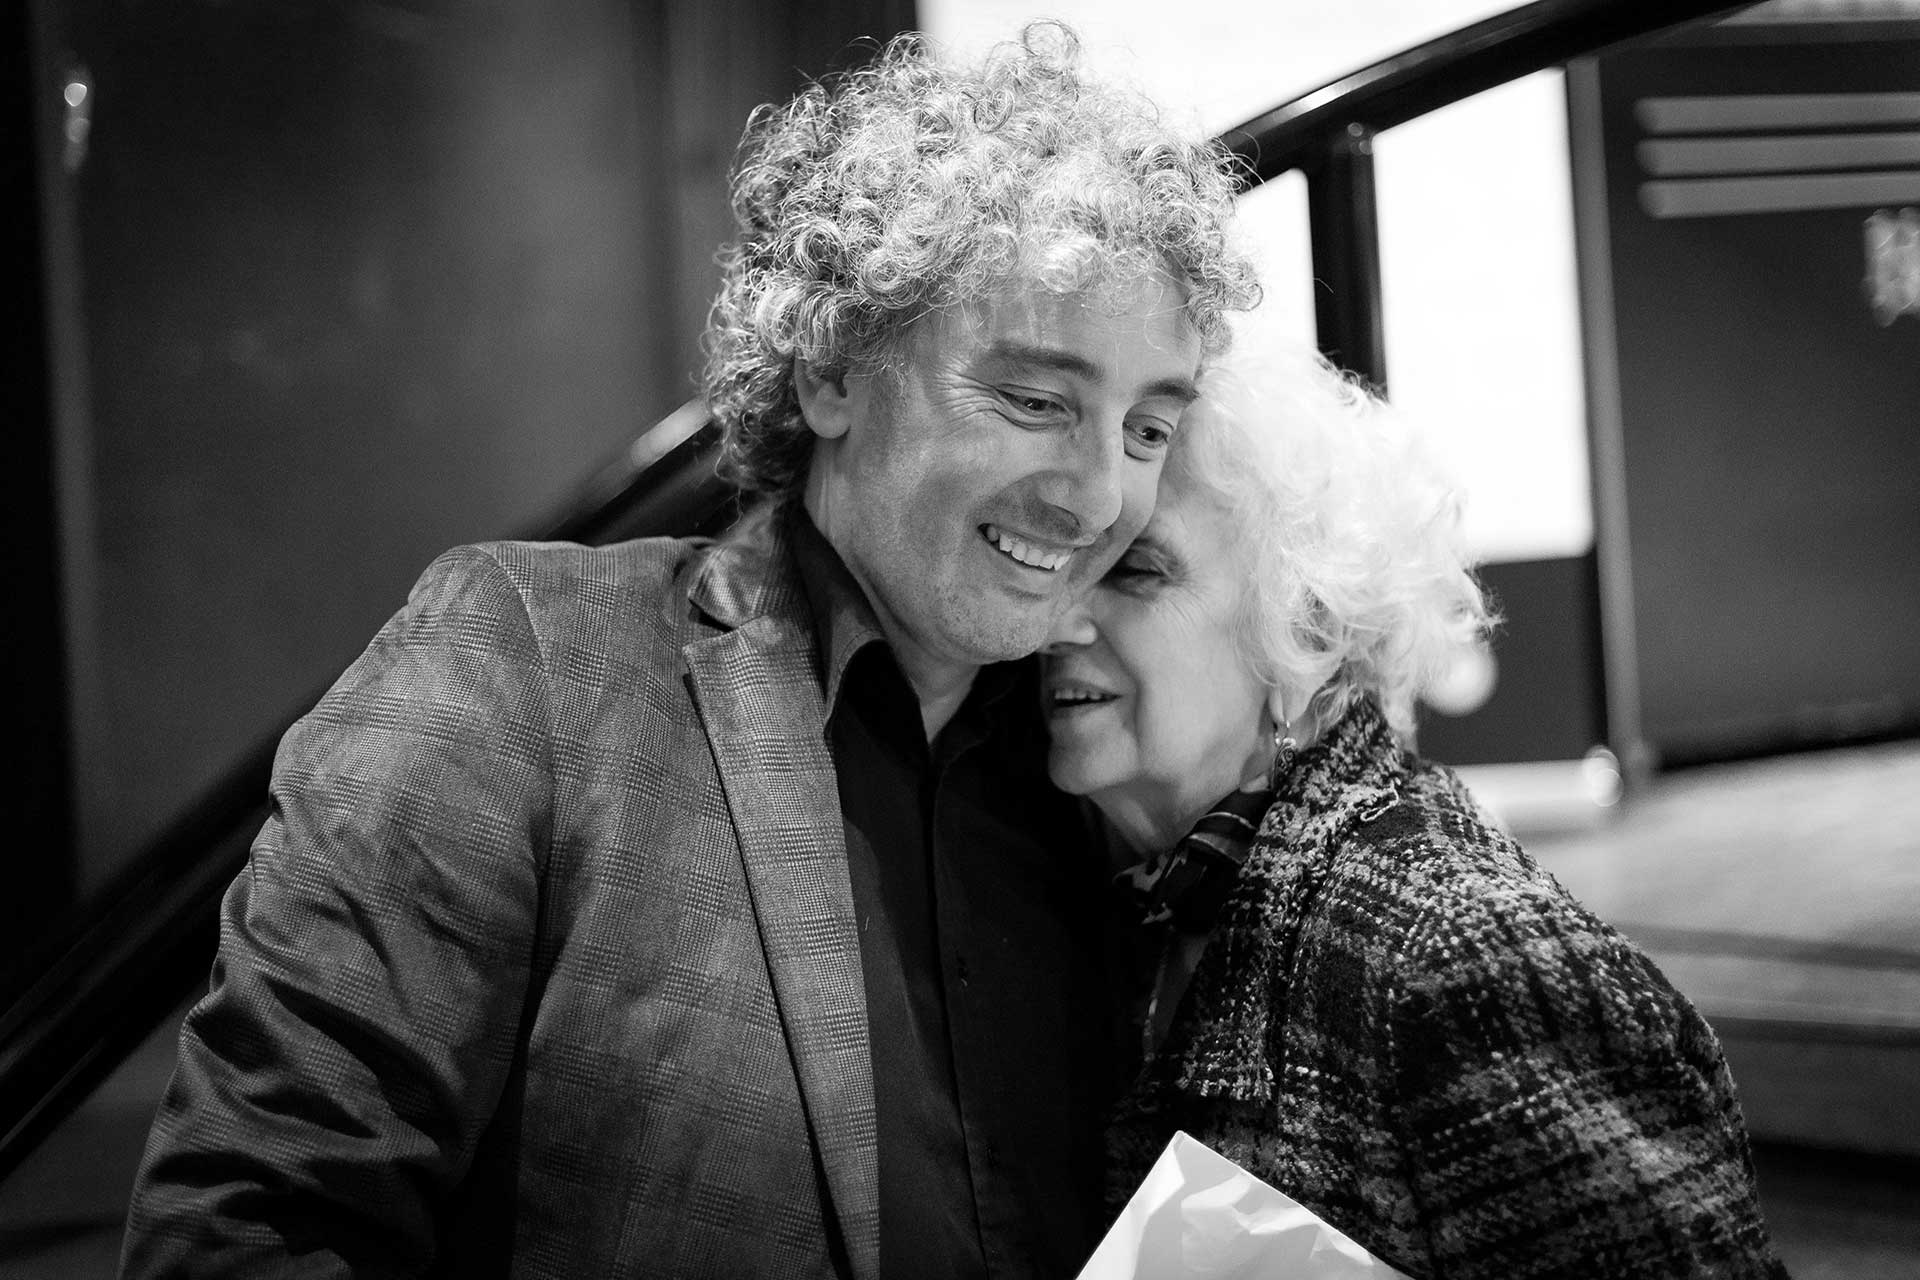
(545, 961)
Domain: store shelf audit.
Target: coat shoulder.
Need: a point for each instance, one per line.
(1454, 912)
(580, 585)
(1433, 863)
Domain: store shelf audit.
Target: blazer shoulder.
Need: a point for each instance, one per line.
(568, 589)
(642, 565)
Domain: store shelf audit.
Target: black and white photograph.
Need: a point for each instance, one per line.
(962, 640)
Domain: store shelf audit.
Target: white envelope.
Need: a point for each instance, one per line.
(1198, 1214)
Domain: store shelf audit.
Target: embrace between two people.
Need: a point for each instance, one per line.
(765, 907)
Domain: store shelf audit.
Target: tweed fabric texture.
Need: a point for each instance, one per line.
(544, 964)
(1404, 1023)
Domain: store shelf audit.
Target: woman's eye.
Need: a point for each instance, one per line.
(1133, 573)
(1031, 404)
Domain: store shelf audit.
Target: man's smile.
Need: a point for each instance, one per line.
(1032, 553)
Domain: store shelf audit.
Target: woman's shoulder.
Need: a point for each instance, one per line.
(1473, 914)
(1437, 831)
(1447, 882)
(1420, 828)
(1362, 815)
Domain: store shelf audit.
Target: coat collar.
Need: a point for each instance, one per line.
(1219, 1049)
(757, 685)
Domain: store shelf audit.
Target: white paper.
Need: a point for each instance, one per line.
(1198, 1214)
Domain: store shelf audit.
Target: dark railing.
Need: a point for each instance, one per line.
(1328, 136)
(114, 976)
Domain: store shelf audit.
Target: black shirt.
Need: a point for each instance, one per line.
(979, 900)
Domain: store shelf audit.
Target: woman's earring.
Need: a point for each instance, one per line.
(1285, 747)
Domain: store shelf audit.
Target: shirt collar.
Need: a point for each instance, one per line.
(843, 620)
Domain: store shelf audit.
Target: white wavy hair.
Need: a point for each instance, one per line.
(1348, 531)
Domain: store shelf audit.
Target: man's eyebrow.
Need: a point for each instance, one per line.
(1045, 357)
(1180, 389)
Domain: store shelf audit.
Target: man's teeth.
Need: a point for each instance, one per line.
(1068, 697)
(1032, 556)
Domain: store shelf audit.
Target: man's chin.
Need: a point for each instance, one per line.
(1005, 639)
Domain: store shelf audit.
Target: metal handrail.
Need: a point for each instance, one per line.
(125, 968)
(1447, 70)
(1327, 134)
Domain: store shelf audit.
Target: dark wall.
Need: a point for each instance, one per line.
(331, 288)
(1766, 414)
(1547, 700)
(32, 752)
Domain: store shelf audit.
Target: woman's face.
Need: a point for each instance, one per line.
(1153, 711)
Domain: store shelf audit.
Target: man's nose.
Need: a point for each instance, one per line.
(1073, 629)
(1087, 482)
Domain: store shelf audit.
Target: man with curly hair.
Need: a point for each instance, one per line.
(690, 909)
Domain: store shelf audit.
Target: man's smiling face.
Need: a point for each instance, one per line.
(994, 477)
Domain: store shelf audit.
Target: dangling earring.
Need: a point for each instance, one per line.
(1285, 747)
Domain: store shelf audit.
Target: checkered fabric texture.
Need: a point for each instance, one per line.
(1404, 1023)
(545, 963)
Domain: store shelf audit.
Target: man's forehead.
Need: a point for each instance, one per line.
(1102, 334)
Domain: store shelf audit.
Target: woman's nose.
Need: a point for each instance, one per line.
(1074, 629)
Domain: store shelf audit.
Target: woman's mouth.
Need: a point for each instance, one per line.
(1073, 696)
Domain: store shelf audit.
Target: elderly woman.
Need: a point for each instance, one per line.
(1348, 980)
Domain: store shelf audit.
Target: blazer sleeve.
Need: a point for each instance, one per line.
(1566, 1112)
(374, 959)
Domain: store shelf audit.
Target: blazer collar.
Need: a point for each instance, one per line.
(750, 574)
(757, 686)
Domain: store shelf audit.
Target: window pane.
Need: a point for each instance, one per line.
(1272, 225)
(1482, 312)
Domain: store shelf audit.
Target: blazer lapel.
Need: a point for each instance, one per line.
(758, 691)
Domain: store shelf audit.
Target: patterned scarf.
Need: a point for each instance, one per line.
(1189, 883)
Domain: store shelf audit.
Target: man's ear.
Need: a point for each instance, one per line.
(825, 402)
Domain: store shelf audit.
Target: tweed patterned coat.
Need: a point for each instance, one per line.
(545, 962)
(1404, 1023)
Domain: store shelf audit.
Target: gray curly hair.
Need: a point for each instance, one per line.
(909, 186)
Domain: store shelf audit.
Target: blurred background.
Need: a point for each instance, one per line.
(310, 292)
